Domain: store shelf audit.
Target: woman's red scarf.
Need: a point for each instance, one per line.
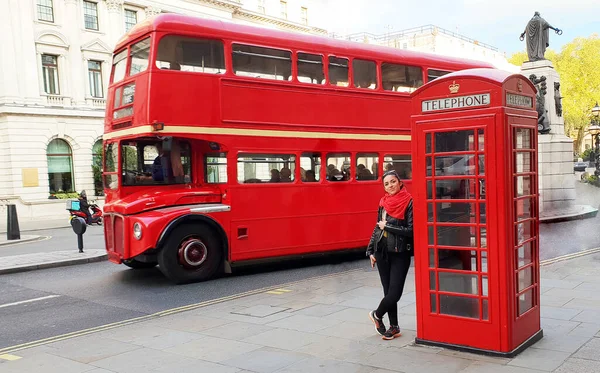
(396, 205)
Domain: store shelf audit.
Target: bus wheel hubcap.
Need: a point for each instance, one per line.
(192, 253)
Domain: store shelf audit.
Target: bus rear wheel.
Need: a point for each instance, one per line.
(191, 253)
(136, 264)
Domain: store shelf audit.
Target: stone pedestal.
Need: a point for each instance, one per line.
(555, 150)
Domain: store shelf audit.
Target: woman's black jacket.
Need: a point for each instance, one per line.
(399, 233)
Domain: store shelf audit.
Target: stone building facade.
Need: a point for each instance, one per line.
(54, 73)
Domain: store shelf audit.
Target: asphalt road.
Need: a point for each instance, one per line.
(45, 303)
(68, 299)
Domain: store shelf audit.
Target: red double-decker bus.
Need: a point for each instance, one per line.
(226, 143)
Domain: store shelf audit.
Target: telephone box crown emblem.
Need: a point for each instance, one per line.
(454, 87)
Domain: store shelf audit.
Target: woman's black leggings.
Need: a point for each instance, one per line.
(392, 272)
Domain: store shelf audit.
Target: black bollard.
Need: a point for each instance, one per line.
(79, 227)
(12, 223)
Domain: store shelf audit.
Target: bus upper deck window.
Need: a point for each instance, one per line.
(140, 53)
(190, 54)
(401, 78)
(434, 74)
(310, 68)
(365, 74)
(338, 71)
(260, 62)
(119, 65)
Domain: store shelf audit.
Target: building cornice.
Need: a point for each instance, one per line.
(114, 5)
(42, 38)
(280, 22)
(230, 5)
(38, 110)
(96, 45)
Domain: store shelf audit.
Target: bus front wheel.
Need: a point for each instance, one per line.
(191, 253)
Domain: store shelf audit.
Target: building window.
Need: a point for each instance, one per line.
(283, 6)
(304, 15)
(60, 167)
(90, 14)
(50, 72)
(95, 77)
(261, 6)
(130, 19)
(97, 168)
(45, 11)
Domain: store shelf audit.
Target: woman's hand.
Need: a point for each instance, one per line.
(381, 224)
(373, 260)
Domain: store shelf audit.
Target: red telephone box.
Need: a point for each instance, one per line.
(475, 192)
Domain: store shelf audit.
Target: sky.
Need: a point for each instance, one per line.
(497, 23)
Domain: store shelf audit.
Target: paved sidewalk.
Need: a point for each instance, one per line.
(30, 262)
(320, 325)
(35, 225)
(24, 238)
(17, 255)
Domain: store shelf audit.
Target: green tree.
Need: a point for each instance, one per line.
(578, 64)
(518, 58)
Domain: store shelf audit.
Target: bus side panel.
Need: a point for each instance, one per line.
(277, 104)
(279, 219)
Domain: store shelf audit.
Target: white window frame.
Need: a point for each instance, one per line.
(283, 9)
(59, 49)
(97, 15)
(52, 8)
(304, 15)
(137, 15)
(95, 74)
(105, 66)
(46, 75)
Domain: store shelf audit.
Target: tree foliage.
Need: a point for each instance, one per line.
(578, 64)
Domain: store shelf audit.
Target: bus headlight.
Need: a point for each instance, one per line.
(137, 231)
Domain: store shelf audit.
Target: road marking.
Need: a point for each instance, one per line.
(172, 311)
(28, 301)
(10, 357)
(569, 256)
(278, 291)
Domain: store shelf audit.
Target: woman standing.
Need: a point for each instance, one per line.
(391, 247)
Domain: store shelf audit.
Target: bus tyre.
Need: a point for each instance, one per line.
(136, 264)
(191, 253)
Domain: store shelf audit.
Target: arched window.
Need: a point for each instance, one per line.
(60, 167)
(97, 167)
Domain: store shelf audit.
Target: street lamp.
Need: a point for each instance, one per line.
(594, 130)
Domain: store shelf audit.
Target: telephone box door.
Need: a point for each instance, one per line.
(456, 173)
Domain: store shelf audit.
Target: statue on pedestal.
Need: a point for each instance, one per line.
(540, 101)
(537, 37)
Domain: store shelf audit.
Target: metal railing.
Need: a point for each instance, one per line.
(385, 38)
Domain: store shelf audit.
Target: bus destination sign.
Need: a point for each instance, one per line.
(519, 100)
(459, 102)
